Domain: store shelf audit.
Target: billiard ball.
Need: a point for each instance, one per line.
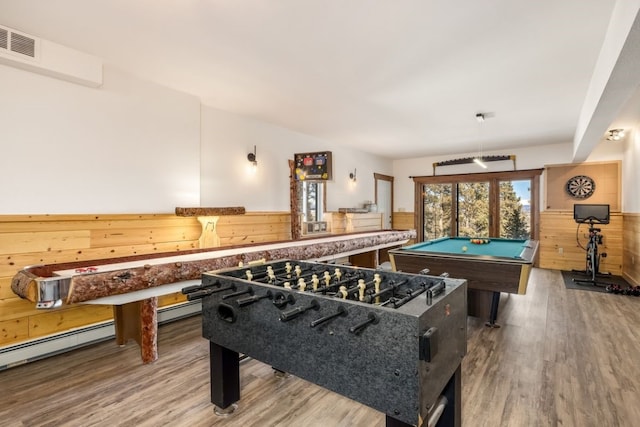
(464, 249)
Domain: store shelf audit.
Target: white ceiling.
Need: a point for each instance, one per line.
(399, 78)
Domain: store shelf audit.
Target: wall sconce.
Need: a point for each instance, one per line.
(252, 158)
(352, 176)
(615, 134)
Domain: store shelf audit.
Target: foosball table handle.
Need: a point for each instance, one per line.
(372, 319)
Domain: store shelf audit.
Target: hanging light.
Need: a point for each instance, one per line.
(478, 159)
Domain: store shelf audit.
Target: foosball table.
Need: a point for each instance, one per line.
(392, 341)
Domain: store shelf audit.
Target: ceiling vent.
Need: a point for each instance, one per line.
(42, 56)
(20, 44)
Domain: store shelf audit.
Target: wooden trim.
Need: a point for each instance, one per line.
(296, 226)
(379, 176)
(236, 210)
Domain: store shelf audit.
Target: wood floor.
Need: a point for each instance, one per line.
(562, 358)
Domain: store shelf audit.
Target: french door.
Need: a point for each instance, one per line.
(497, 204)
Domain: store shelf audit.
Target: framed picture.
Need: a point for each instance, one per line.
(313, 166)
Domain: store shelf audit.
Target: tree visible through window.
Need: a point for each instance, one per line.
(499, 204)
(437, 210)
(515, 215)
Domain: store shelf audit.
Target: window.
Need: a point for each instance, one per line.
(312, 201)
(497, 204)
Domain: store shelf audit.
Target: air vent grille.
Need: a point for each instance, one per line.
(23, 45)
(19, 44)
(4, 38)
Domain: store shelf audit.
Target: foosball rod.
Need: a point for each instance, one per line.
(371, 319)
(341, 312)
(263, 274)
(337, 283)
(411, 295)
(208, 291)
(290, 275)
(285, 316)
(393, 287)
(253, 298)
(357, 288)
(344, 278)
(193, 288)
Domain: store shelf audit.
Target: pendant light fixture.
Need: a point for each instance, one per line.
(479, 159)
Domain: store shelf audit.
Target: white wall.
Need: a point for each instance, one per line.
(127, 147)
(227, 138)
(132, 146)
(631, 173)
(526, 158)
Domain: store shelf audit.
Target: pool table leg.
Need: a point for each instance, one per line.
(493, 313)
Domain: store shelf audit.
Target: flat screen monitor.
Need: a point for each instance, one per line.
(597, 214)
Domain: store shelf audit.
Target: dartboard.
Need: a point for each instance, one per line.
(580, 187)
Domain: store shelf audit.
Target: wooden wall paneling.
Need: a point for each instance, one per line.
(363, 222)
(171, 299)
(50, 239)
(101, 238)
(5, 289)
(10, 264)
(631, 245)
(337, 222)
(254, 228)
(16, 308)
(13, 330)
(559, 250)
(607, 178)
(404, 220)
(245, 239)
(48, 322)
(43, 241)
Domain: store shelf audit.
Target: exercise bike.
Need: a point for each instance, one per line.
(592, 214)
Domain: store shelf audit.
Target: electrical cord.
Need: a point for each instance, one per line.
(578, 238)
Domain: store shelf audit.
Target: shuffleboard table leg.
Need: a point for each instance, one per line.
(493, 313)
(225, 378)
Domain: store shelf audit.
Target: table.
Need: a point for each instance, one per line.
(133, 284)
(392, 341)
(501, 265)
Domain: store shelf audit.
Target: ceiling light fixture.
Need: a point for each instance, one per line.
(479, 159)
(615, 135)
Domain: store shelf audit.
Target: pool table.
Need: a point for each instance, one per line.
(494, 266)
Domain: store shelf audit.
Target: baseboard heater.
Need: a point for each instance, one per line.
(19, 354)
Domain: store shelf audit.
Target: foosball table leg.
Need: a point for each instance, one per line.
(451, 416)
(392, 422)
(225, 378)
